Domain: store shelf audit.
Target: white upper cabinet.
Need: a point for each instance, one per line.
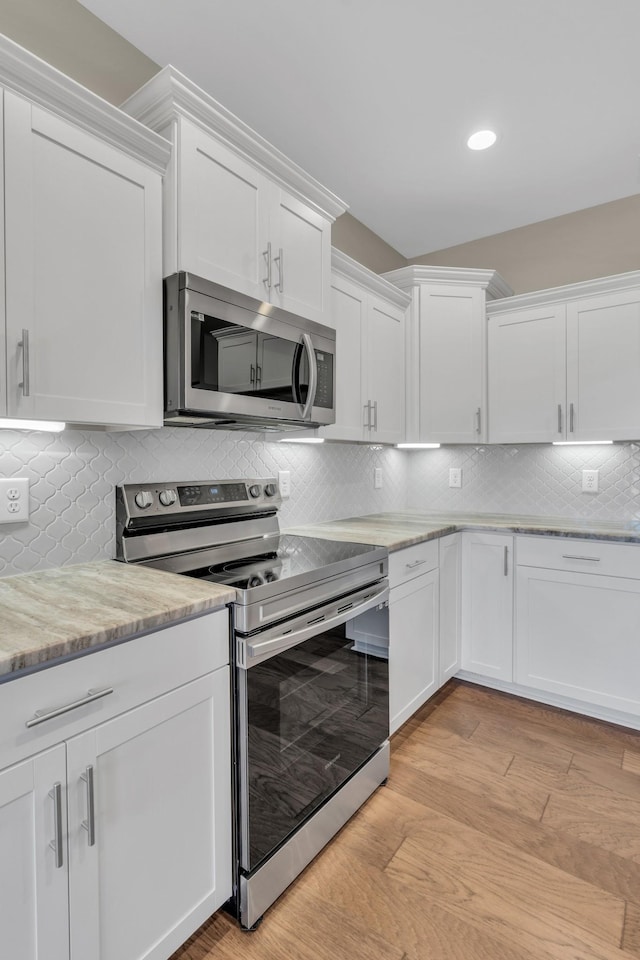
(368, 314)
(564, 364)
(82, 256)
(446, 351)
(237, 211)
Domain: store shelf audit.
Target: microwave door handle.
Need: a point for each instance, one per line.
(313, 376)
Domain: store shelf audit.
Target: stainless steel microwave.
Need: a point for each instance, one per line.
(237, 363)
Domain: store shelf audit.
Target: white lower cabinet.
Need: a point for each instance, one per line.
(450, 611)
(487, 605)
(413, 646)
(138, 808)
(577, 632)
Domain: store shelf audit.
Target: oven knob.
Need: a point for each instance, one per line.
(271, 489)
(254, 581)
(255, 490)
(270, 576)
(144, 499)
(168, 497)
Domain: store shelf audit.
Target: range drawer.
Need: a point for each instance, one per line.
(580, 556)
(138, 670)
(412, 561)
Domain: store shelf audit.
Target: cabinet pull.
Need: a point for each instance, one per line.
(479, 420)
(42, 716)
(56, 844)
(570, 418)
(258, 376)
(559, 418)
(571, 556)
(506, 562)
(267, 255)
(367, 419)
(280, 261)
(416, 563)
(24, 383)
(252, 375)
(375, 414)
(90, 823)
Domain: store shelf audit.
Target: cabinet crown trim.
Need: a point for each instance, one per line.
(170, 95)
(489, 280)
(571, 291)
(29, 76)
(352, 270)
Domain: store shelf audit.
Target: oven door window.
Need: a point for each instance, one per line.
(314, 714)
(228, 358)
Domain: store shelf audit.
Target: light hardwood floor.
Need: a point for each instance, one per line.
(507, 831)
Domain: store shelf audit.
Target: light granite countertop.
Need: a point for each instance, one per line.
(403, 528)
(56, 613)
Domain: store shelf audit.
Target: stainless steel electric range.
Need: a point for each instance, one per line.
(311, 714)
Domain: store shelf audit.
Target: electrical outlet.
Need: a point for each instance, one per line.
(14, 500)
(377, 478)
(455, 477)
(589, 481)
(284, 482)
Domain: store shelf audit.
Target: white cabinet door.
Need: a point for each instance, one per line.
(348, 316)
(34, 906)
(3, 340)
(223, 213)
(83, 275)
(576, 636)
(487, 605)
(603, 367)
(301, 250)
(413, 646)
(385, 371)
(526, 375)
(160, 863)
(452, 361)
(450, 598)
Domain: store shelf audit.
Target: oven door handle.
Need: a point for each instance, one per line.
(252, 652)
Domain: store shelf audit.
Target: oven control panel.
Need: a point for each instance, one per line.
(153, 501)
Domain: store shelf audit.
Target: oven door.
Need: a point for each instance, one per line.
(238, 362)
(311, 711)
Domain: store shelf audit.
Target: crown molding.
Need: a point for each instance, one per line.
(489, 280)
(170, 95)
(25, 74)
(572, 291)
(352, 270)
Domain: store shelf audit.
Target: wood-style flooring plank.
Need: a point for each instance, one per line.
(631, 934)
(631, 761)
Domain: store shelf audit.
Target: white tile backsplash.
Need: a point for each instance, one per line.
(73, 474)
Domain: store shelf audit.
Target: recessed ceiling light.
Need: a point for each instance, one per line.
(481, 140)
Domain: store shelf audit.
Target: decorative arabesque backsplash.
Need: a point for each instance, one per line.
(73, 474)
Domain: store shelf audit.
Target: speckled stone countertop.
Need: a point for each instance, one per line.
(403, 528)
(55, 613)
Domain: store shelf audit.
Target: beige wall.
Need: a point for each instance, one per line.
(365, 246)
(65, 34)
(595, 242)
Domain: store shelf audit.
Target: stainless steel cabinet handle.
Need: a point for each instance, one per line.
(506, 561)
(280, 261)
(42, 716)
(570, 418)
(56, 844)
(416, 563)
(571, 556)
(258, 376)
(25, 382)
(252, 375)
(90, 823)
(267, 255)
(559, 418)
(375, 414)
(367, 408)
(479, 420)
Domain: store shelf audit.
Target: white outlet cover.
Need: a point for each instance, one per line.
(284, 483)
(377, 478)
(14, 500)
(455, 476)
(590, 481)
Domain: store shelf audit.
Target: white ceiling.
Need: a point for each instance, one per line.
(377, 98)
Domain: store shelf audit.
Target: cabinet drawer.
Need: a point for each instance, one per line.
(411, 562)
(137, 670)
(581, 556)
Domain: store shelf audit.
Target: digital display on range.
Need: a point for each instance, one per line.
(205, 494)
